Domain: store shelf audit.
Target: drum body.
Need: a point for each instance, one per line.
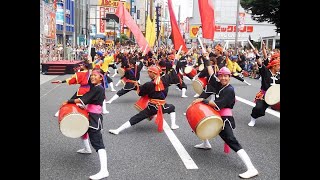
(272, 95)
(204, 120)
(199, 84)
(245, 73)
(190, 72)
(121, 71)
(124, 80)
(73, 121)
(276, 107)
(142, 103)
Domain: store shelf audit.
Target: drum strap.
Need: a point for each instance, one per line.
(159, 119)
(135, 83)
(224, 124)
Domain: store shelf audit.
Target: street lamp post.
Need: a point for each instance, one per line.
(237, 27)
(64, 30)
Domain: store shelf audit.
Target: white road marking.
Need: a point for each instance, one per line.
(185, 157)
(49, 91)
(270, 111)
(46, 78)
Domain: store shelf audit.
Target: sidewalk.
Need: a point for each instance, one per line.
(46, 78)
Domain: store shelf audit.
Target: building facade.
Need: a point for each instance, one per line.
(225, 19)
(69, 21)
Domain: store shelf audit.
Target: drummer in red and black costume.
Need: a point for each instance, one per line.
(93, 101)
(109, 82)
(156, 91)
(208, 89)
(270, 73)
(81, 77)
(181, 64)
(223, 103)
(221, 60)
(132, 75)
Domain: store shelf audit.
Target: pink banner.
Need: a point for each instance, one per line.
(126, 19)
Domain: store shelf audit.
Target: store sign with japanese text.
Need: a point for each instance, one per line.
(102, 22)
(225, 30)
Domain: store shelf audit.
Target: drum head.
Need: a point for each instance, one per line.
(188, 69)
(74, 125)
(201, 67)
(121, 71)
(272, 95)
(197, 86)
(209, 127)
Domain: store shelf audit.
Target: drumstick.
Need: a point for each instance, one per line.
(225, 45)
(189, 50)
(55, 82)
(251, 45)
(89, 52)
(144, 50)
(176, 56)
(204, 50)
(179, 50)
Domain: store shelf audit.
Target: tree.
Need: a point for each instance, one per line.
(263, 10)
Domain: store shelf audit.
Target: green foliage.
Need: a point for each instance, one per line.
(124, 38)
(263, 11)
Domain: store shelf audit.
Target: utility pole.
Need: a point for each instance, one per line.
(237, 27)
(75, 30)
(64, 31)
(151, 5)
(88, 23)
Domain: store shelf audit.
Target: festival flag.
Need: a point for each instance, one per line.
(125, 18)
(207, 18)
(153, 32)
(148, 29)
(175, 31)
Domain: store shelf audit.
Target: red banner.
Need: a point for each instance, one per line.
(126, 19)
(207, 18)
(102, 24)
(175, 33)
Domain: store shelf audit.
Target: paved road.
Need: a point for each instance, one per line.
(140, 152)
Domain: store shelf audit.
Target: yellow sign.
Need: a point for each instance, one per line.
(193, 31)
(108, 3)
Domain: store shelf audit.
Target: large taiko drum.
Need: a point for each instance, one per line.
(272, 95)
(73, 121)
(124, 80)
(142, 103)
(199, 84)
(205, 122)
(121, 71)
(190, 71)
(276, 107)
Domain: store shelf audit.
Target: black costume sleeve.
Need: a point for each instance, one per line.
(226, 98)
(170, 78)
(146, 88)
(90, 96)
(213, 82)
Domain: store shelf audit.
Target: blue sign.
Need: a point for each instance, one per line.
(59, 14)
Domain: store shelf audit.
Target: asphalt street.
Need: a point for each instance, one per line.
(141, 152)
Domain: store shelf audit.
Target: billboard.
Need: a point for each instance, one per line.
(59, 14)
